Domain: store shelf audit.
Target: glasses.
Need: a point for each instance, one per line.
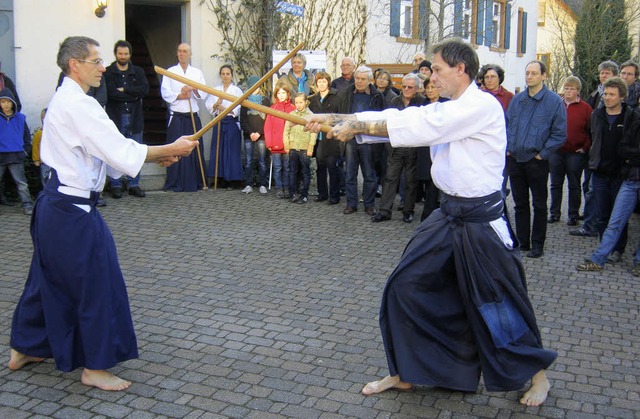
(96, 62)
(408, 87)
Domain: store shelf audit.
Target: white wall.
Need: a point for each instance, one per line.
(40, 27)
(382, 48)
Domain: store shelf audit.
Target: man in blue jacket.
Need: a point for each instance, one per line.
(537, 127)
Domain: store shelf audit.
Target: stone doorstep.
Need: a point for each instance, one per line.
(152, 177)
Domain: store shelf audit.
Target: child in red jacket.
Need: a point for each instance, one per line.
(273, 137)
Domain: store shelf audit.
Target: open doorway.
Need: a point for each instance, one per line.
(154, 29)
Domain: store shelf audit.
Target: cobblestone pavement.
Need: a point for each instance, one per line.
(248, 306)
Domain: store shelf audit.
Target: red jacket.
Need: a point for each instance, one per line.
(503, 95)
(578, 123)
(274, 127)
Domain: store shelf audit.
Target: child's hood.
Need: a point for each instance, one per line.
(6, 94)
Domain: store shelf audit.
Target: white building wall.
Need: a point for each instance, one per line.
(383, 48)
(41, 25)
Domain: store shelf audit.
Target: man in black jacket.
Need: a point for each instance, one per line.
(401, 158)
(626, 200)
(126, 86)
(604, 160)
(361, 97)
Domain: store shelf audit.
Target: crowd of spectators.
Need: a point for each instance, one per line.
(551, 136)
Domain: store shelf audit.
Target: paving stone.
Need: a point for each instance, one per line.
(225, 330)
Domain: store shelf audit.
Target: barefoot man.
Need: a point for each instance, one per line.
(456, 305)
(74, 307)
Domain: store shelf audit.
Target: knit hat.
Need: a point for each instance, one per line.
(252, 80)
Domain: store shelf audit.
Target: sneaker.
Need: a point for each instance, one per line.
(589, 266)
(27, 210)
(294, 198)
(280, 193)
(635, 271)
(614, 257)
(303, 200)
(263, 190)
(287, 195)
(247, 189)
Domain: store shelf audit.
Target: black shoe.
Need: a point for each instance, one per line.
(572, 222)
(303, 200)
(407, 217)
(333, 202)
(349, 210)
(580, 217)
(370, 211)
(401, 207)
(136, 191)
(378, 218)
(535, 253)
(582, 232)
(319, 199)
(553, 219)
(524, 248)
(116, 193)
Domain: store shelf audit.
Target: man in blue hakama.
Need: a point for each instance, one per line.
(456, 306)
(75, 307)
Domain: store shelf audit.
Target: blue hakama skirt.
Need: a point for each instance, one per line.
(457, 306)
(229, 151)
(74, 307)
(186, 174)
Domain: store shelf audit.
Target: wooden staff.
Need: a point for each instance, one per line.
(193, 124)
(246, 94)
(246, 103)
(215, 179)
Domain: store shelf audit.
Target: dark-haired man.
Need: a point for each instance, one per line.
(629, 73)
(441, 308)
(537, 127)
(126, 86)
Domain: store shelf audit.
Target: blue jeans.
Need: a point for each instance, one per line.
(569, 165)
(360, 156)
(622, 209)
(280, 170)
(126, 121)
(299, 159)
(590, 215)
(249, 162)
(605, 190)
(19, 177)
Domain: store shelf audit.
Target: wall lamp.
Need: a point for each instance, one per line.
(102, 4)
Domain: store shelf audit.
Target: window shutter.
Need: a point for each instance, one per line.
(395, 18)
(488, 17)
(507, 27)
(480, 23)
(423, 19)
(523, 47)
(457, 17)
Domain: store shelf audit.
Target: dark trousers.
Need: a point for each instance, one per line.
(328, 165)
(605, 190)
(532, 175)
(569, 165)
(431, 198)
(299, 159)
(398, 159)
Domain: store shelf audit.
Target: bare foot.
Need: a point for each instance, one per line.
(104, 380)
(385, 384)
(19, 360)
(538, 391)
